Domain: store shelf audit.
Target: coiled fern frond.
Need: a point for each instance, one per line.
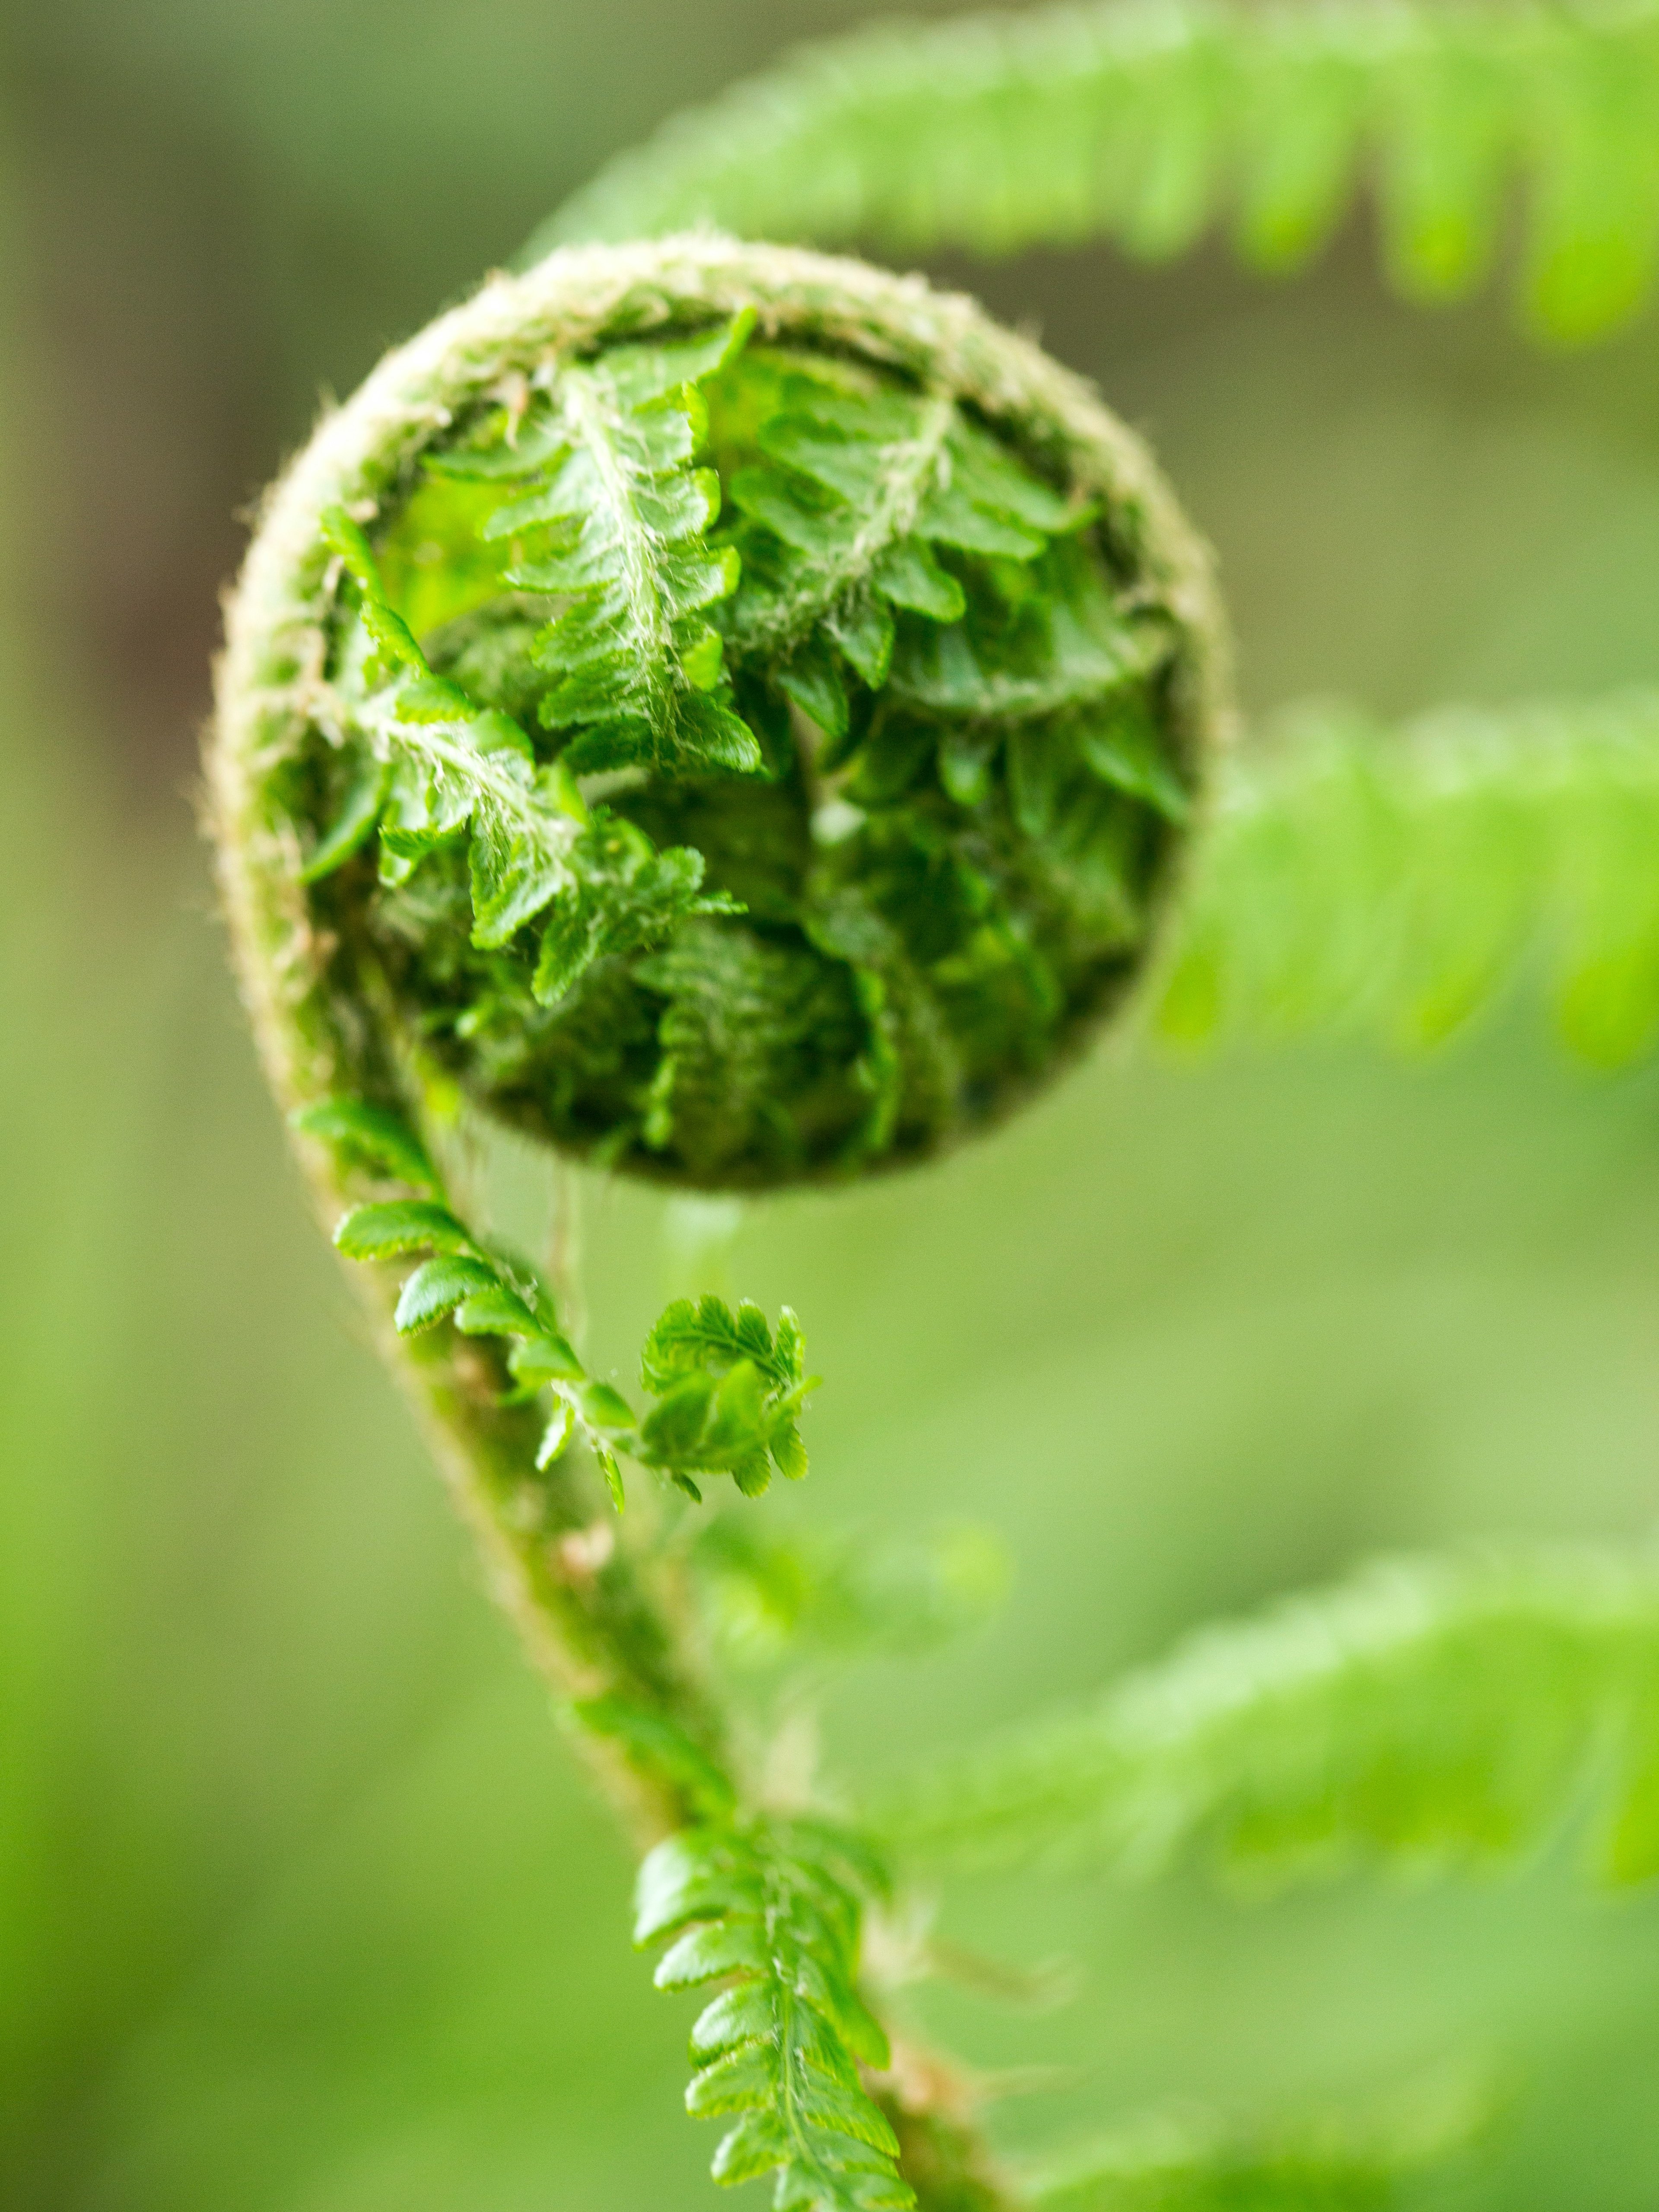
(736, 760)
(737, 716)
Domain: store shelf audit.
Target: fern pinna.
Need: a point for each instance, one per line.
(739, 717)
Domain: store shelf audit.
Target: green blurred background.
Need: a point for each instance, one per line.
(302, 1903)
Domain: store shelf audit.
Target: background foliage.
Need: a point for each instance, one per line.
(302, 1905)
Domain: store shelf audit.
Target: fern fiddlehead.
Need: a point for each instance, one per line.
(741, 718)
(898, 710)
(737, 716)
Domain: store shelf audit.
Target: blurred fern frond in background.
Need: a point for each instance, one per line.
(1400, 881)
(1146, 121)
(1431, 1715)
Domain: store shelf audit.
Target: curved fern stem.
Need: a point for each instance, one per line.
(1148, 121)
(595, 1629)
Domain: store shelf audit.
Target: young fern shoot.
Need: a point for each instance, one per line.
(737, 762)
(745, 720)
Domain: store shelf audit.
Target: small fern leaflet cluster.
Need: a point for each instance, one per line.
(434, 765)
(869, 517)
(854, 490)
(728, 1394)
(772, 1911)
(607, 519)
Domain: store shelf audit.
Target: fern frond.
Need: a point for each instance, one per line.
(608, 523)
(852, 487)
(1400, 881)
(841, 467)
(1427, 1714)
(961, 856)
(872, 516)
(772, 1911)
(728, 1394)
(1146, 121)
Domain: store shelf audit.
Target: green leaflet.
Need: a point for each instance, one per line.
(1428, 1713)
(608, 523)
(1146, 121)
(438, 1286)
(841, 471)
(437, 767)
(405, 1225)
(708, 1338)
(392, 643)
(630, 897)
(1402, 882)
(774, 1908)
(1045, 641)
(853, 491)
(355, 823)
(728, 1392)
(775, 1600)
(369, 1136)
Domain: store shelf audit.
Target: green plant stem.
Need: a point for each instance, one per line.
(590, 1618)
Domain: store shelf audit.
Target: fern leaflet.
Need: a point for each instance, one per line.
(1427, 1713)
(434, 765)
(1400, 882)
(851, 487)
(609, 524)
(773, 1909)
(728, 1394)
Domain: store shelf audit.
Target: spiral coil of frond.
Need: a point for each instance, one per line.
(743, 709)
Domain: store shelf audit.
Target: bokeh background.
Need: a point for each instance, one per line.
(302, 1903)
